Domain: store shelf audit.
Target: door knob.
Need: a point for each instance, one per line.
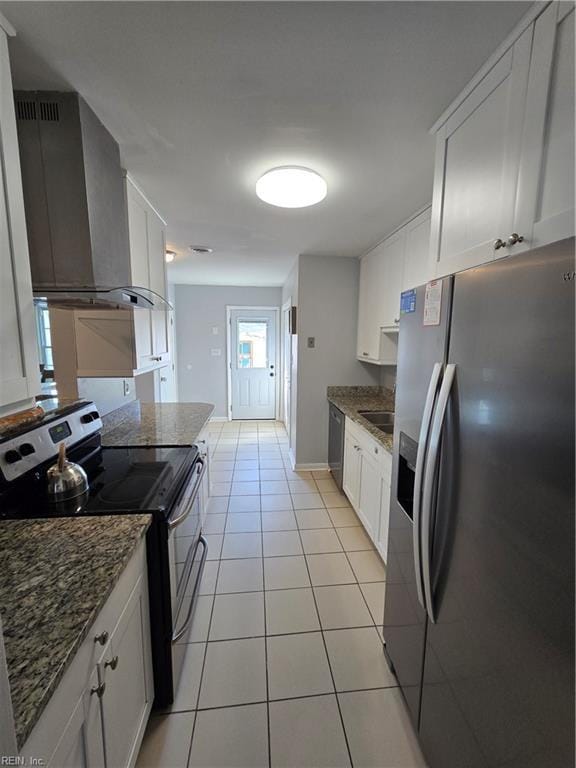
(499, 243)
(515, 238)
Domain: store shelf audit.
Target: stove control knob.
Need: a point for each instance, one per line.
(26, 449)
(11, 457)
(95, 415)
(87, 418)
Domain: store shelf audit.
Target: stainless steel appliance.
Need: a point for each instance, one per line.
(479, 612)
(76, 210)
(336, 444)
(164, 481)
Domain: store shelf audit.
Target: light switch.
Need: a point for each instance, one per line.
(311, 342)
(215, 352)
(215, 330)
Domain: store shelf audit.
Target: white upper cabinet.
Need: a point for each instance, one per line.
(398, 263)
(504, 175)
(369, 305)
(417, 251)
(545, 203)
(19, 372)
(477, 162)
(393, 250)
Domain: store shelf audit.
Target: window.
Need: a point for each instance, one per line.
(44, 336)
(252, 344)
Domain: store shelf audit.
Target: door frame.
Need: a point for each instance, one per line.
(285, 329)
(229, 309)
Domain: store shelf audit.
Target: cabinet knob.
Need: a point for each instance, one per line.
(515, 238)
(375, 450)
(112, 663)
(98, 690)
(396, 320)
(499, 243)
(102, 638)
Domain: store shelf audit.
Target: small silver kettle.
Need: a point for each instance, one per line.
(66, 480)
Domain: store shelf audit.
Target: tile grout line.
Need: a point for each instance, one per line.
(201, 680)
(327, 656)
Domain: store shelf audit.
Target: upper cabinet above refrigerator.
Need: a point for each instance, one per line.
(504, 178)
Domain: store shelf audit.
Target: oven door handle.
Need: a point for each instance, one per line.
(176, 521)
(181, 632)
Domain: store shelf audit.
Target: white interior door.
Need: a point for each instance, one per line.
(253, 363)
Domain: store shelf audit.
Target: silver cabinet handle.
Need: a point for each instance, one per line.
(375, 450)
(98, 690)
(365, 354)
(420, 461)
(499, 243)
(429, 476)
(102, 638)
(515, 238)
(396, 320)
(112, 663)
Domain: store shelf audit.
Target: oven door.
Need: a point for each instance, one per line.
(187, 552)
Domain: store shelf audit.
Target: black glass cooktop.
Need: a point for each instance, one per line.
(121, 480)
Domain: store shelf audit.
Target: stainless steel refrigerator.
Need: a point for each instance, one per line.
(479, 611)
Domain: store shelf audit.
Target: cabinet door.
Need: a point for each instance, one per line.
(126, 671)
(19, 371)
(545, 203)
(368, 346)
(384, 521)
(393, 266)
(81, 744)
(417, 251)
(370, 492)
(138, 233)
(351, 472)
(157, 268)
(477, 162)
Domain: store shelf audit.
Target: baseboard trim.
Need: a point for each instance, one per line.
(292, 458)
(218, 418)
(322, 465)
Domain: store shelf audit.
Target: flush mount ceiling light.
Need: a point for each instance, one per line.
(201, 249)
(291, 187)
(170, 256)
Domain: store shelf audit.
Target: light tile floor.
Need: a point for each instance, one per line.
(285, 667)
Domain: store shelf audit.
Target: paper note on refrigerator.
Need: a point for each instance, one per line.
(432, 302)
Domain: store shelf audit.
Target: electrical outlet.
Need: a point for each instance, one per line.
(311, 342)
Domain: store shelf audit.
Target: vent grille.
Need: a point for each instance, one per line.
(49, 111)
(25, 110)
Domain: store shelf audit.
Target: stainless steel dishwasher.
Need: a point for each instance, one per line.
(336, 444)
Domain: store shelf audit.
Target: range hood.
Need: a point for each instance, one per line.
(76, 210)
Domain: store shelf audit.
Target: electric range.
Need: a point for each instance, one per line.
(164, 481)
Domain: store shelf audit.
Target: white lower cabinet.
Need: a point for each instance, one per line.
(97, 715)
(366, 482)
(352, 464)
(82, 743)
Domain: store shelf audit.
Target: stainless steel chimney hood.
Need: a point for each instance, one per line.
(76, 210)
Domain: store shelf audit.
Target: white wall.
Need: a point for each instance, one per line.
(199, 309)
(327, 311)
(290, 291)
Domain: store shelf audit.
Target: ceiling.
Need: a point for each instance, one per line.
(204, 97)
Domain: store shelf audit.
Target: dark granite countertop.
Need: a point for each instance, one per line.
(350, 400)
(156, 423)
(55, 576)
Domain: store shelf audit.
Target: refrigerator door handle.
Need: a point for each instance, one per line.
(418, 474)
(429, 477)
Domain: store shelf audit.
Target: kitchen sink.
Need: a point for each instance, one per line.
(384, 420)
